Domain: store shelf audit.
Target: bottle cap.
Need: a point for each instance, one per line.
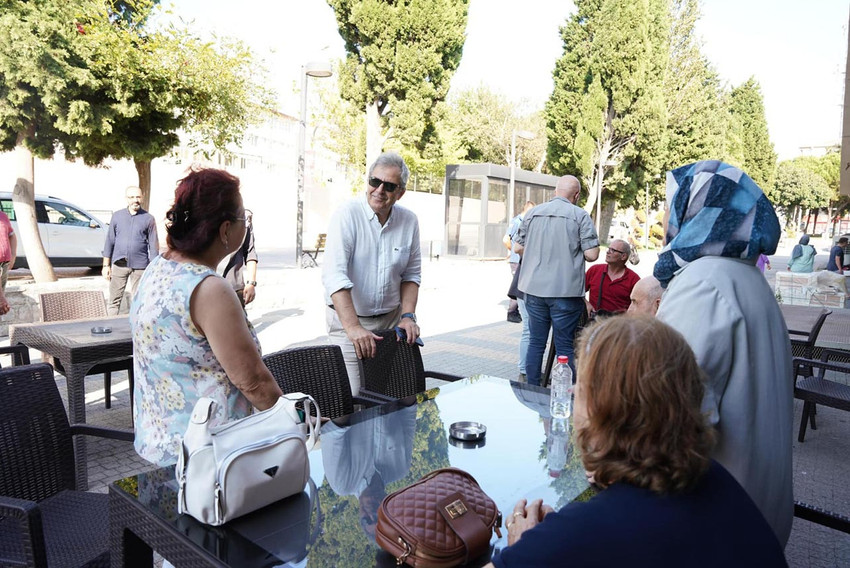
(563, 359)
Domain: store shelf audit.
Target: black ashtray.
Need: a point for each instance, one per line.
(98, 330)
(468, 431)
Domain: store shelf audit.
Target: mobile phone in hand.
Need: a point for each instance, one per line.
(402, 335)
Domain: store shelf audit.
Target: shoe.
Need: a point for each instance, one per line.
(522, 378)
(514, 317)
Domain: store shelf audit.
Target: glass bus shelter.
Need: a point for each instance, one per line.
(479, 207)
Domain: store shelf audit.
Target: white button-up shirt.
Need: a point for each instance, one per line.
(369, 259)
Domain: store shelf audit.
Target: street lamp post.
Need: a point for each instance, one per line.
(526, 135)
(312, 69)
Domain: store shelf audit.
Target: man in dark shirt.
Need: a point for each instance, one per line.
(131, 243)
(836, 256)
(241, 267)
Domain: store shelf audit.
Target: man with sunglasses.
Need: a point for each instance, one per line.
(372, 266)
(610, 284)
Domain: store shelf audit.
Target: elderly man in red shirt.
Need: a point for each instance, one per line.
(610, 284)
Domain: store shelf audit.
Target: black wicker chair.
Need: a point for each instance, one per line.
(20, 353)
(43, 521)
(82, 304)
(397, 369)
(803, 342)
(813, 390)
(320, 372)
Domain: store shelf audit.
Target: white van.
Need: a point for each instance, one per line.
(71, 235)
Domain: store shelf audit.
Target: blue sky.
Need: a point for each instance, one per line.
(795, 49)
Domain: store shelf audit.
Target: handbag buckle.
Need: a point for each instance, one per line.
(400, 559)
(456, 509)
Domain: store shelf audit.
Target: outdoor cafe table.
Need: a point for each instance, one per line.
(78, 350)
(361, 458)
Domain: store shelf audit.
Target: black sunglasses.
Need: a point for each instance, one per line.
(615, 250)
(388, 185)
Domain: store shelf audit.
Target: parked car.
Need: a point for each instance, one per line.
(71, 235)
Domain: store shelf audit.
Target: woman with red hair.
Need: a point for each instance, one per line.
(191, 337)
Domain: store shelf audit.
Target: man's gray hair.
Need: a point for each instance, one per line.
(392, 160)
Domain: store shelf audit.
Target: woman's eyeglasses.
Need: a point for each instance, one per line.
(388, 185)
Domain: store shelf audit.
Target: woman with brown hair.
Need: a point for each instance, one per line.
(646, 445)
(191, 337)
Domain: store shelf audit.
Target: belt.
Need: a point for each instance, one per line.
(367, 317)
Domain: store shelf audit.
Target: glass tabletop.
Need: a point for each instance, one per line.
(363, 457)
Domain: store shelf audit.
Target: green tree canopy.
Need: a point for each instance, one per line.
(608, 103)
(88, 77)
(797, 186)
(695, 112)
(401, 57)
(747, 106)
(483, 122)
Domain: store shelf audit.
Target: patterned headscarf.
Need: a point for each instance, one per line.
(715, 210)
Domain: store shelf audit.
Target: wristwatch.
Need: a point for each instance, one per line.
(251, 282)
(410, 315)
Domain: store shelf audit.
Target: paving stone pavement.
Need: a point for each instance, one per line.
(462, 312)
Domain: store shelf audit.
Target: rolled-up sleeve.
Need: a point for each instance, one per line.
(413, 272)
(587, 233)
(338, 249)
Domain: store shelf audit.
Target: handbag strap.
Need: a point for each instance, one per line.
(601, 283)
(466, 524)
(313, 428)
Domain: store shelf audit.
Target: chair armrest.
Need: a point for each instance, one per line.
(799, 362)
(828, 354)
(20, 353)
(111, 433)
(371, 398)
(27, 517)
(798, 332)
(442, 376)
(823, 517)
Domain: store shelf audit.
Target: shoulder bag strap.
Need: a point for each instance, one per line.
(601, 283)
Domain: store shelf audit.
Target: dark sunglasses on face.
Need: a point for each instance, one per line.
(388, 185)
(615, 250)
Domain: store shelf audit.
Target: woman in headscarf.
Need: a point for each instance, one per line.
(717, 223)
(802, 256)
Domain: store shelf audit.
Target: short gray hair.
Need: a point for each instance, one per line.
(392, 160)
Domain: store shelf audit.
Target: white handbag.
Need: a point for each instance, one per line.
(226, 471)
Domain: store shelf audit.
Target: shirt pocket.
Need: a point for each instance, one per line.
(400, 256)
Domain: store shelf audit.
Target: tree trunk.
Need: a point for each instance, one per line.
(143, 169)
(23, 200)
(608, 209)
(374, 136)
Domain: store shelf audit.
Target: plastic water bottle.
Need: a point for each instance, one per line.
(557, 441)
(560, 404)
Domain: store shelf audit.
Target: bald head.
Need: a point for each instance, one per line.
(568, 187)
(646, 296)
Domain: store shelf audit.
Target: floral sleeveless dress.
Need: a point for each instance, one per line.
(174, 364)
